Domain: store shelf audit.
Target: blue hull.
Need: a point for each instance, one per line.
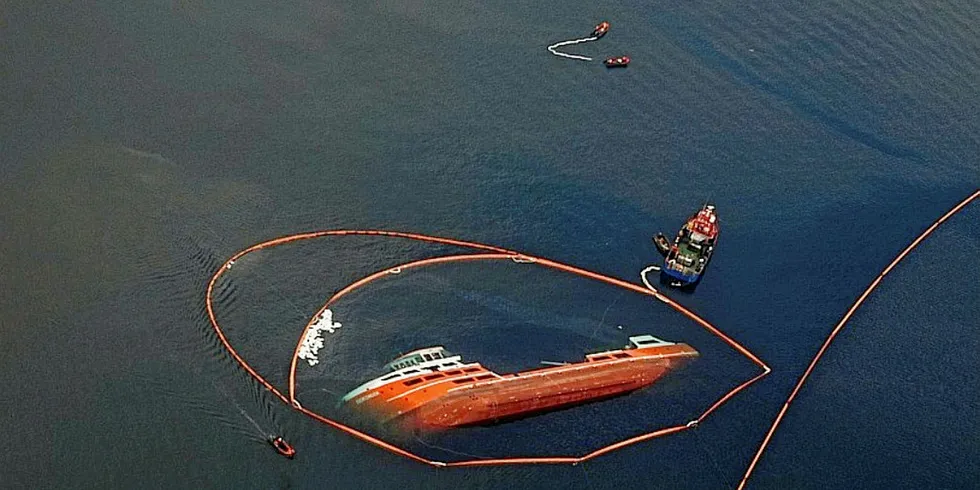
(677, 279)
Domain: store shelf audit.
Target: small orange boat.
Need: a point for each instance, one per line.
(601, 29)
(432, 389)
(617, 61)
(282, 447)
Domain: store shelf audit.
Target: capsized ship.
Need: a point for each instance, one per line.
(432, 389)
(687, 258)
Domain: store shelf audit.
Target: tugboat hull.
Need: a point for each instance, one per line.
(678, 280)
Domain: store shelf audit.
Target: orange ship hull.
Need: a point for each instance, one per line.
(529, 393)
(443, 392)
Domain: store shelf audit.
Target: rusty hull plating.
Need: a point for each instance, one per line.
(431, 390)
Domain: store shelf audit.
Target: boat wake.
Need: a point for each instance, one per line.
(248, 417)
(553, 49)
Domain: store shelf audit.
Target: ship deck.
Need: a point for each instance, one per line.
(684, 248)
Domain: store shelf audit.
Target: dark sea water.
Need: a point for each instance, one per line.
(143, 143)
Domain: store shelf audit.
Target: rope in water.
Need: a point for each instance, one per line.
(489, 253)
(840, 325)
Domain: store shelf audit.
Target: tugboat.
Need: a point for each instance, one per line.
(281, 446)
(430, 389)
(615, 62)
(687, 258)
(601, 29)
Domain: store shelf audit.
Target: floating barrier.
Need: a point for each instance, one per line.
(488, 252)
(501, 253)
(840, 325)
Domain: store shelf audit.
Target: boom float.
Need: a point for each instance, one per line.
(840, 326)
(487, 253)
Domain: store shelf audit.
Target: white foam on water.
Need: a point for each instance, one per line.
(313, 341)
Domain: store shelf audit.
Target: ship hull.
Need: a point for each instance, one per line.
(679, 280)
(442, 392)
(687, 259)
(529, 393)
